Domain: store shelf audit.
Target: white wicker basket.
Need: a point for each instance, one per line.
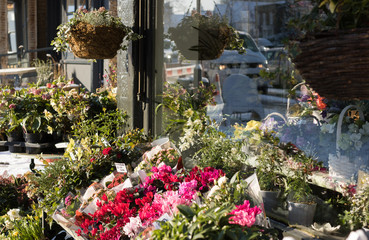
(341, 165)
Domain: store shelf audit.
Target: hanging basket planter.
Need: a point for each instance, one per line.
(95, 42)
(200, 43)
(94, 34)
(204, 37)
(335, 63)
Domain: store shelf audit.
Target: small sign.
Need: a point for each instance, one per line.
(121, 167)
(72, 156)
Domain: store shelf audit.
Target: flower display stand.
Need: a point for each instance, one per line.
(24, 147)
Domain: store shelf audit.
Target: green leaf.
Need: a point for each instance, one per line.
(198, 236)
(234, 177)
(231, 235)
(186, 211)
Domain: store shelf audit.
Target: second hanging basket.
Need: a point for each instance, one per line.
(95, 42)
(335, 63)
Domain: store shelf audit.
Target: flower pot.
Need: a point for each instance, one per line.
(4, 148)
(14, 149)
(33, 137)
(95, 42)
(33, 150)
(301, 213)
(270, 199)
(15, 136)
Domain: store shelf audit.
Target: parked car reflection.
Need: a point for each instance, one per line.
(231, 62)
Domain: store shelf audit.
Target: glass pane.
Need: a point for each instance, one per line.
(13, 43)
(11, 28)
(81, 3)
(71, 6)
(260, 84)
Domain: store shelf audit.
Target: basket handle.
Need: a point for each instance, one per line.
(275, 114)
(289, 98)
(340, 120)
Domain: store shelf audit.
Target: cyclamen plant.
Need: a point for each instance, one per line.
(168, 157)
(134, 209)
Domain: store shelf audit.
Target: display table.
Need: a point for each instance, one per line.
(324, 180)
(17, 72)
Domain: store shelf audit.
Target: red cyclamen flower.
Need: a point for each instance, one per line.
(107, 151)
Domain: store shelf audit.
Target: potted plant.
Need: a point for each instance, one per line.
(332, 42)
(14, 131)
(300, 200)
(93, 34)
(34, 126)
(204, 37)
(269, 172)
(358, 215)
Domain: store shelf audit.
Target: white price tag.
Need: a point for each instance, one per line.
(72, 156)
(121, 167)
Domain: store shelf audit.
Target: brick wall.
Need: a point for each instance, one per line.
(3, 32)
(32, 27)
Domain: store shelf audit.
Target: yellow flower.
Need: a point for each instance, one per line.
(253, 125)
(15, 233)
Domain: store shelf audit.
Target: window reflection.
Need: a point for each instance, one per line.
(11, 29)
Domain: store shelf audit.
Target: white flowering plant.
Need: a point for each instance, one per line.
(233, 190)
(358, 215)
(185, 112)
(221, 152)
(16, 225)
(354, 138)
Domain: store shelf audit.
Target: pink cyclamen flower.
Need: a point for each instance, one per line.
(68, 200)
(188, 189)
(12, 106)
(244, 215)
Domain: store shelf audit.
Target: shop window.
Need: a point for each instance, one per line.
(73, 5)
(12, 40)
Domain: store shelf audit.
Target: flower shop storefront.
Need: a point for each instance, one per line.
(192, 136)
